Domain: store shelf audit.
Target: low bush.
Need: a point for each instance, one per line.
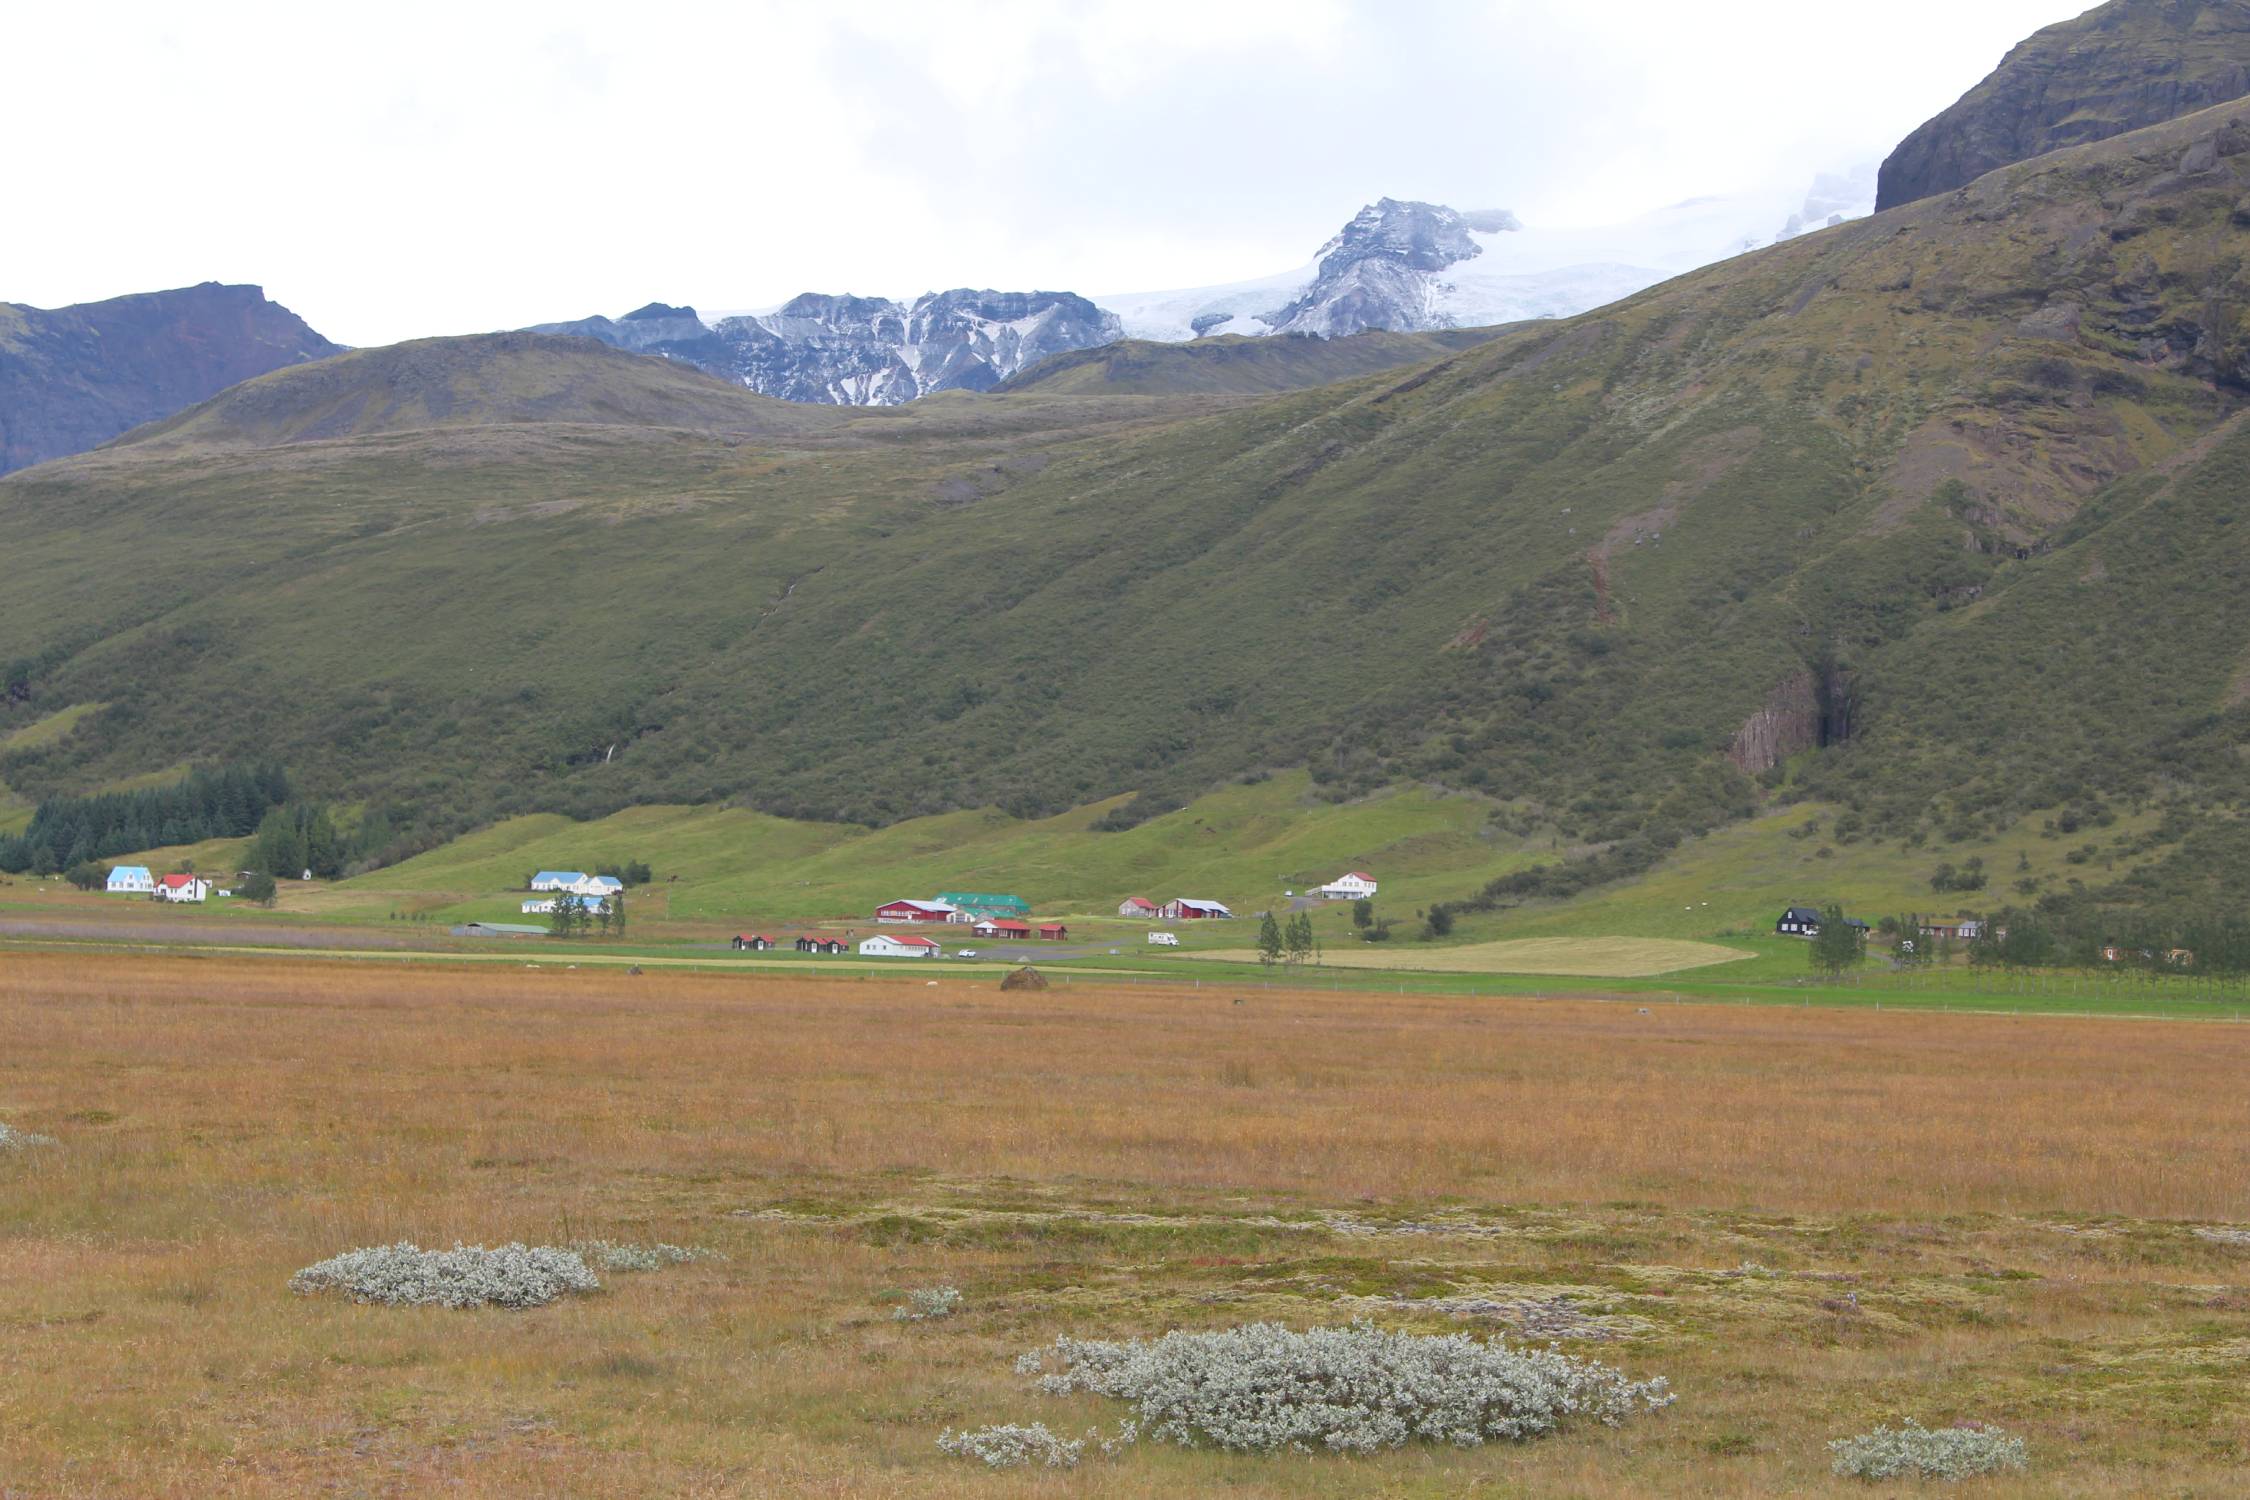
(924, 1303)
(405, 1275)
(610, 1255)
(1262, 1388)
(1010, 1446)
(1914, 1451)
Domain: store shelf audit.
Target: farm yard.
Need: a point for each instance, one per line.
(1811, 1222)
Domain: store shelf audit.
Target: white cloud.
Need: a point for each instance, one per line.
(423, 168)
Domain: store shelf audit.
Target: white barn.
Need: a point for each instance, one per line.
(899, 945)
(558, 880)
(1357, 886)
(131, 880)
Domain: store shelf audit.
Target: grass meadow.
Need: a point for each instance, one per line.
(1811, 1220)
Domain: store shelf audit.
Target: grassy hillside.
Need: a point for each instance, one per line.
(1235, 364)
(1831, 519)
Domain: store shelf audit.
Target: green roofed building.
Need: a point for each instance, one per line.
(985, 904)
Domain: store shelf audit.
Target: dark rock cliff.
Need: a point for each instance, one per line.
(2116, 68)
(72, 378)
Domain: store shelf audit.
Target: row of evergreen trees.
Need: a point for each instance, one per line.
(226, 802)
(2060, 935)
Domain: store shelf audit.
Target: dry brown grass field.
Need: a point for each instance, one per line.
(1810, 1220)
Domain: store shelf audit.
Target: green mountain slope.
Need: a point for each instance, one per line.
(1237, 365)
(2118, 67)
(1928, 513)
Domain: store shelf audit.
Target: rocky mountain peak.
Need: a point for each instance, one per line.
(1376, 273)
(2118, 67)
(72, 378)
(840, 349)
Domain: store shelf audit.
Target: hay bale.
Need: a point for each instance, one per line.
(1025, 978)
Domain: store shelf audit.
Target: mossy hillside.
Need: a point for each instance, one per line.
(1560, 568)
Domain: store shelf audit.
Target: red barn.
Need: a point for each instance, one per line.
(915, 911)
(1053, 931)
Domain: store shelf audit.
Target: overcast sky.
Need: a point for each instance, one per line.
(405, 169)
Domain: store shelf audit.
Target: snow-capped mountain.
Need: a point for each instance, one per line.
(1407, 267)
(1415, 266)
(865, 351)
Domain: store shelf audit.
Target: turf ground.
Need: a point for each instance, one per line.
(1811, 1220)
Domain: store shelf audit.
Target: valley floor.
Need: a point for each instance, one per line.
(1810, 1220)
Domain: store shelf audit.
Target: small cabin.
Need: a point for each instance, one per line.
(752, 942)
(1053, 932)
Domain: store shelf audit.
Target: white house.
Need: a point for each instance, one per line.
(541, 906)
(132, 880)
(1357, 886)
(558, 880)
(599, 885)
(900, 945)
(183, 888)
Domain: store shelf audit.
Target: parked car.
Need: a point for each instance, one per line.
(964, 953)
(1165, 939)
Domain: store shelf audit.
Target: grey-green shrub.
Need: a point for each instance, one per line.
(1261, 1388)
(405, 1275)
(1911, 1450)
(924, 1303)
(1007, 1445)
(12, 1139)
(612, 1255)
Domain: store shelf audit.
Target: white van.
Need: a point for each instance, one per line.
(1165, 939)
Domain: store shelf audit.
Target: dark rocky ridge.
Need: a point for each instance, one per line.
(72, 378)
(2119, 67)
(865, 351)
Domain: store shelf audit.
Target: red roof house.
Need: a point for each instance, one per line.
(1002, 927)
(1053, 931)
(915, 911)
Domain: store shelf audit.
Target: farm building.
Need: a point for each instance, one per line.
(558, 880)
(1960, 929)
(1139, 906)
(895, 945)
(1356, 886)
(544, 906)
(986, 903)
(498, 929)
(1804, 921)
(918, 911)
(752, 942)
(821, 942)
(1001, 927)
(1190, 909)
(131, 880)
(182, 888)
(1053, 932)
